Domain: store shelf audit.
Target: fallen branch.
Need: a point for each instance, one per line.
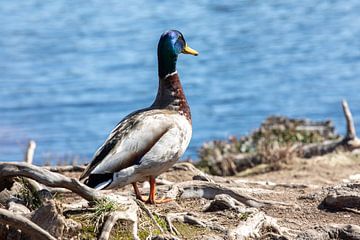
(223, 201)
(48, 178)
(349, 141)
(201, 189)
(192, 220)
(25, 225)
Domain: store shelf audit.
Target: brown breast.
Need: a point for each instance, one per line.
(171, 96)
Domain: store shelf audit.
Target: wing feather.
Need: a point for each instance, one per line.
(129, 142)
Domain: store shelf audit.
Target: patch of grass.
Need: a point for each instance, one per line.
(189, 231)
(273, 143)
(88, 231)
(29, 195)
(245, 216)
(91, 222)
(121, 231)
(104, 206)
(147, 227)
(163, 224)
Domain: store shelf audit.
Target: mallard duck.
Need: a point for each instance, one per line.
(149, 141)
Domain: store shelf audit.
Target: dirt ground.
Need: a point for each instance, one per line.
(316, 175)
(301, 183)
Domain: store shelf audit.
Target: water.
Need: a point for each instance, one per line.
(70, 70)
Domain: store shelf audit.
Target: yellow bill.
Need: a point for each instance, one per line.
(189, 50)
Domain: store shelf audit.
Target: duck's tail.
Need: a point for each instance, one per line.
(99, 181)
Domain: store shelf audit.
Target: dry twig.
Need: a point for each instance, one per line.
(150, 215)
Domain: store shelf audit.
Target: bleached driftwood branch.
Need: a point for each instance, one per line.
(350, 126)
(48, 178)
(208, 190)
(349, 141)
(129, 215)
(24, 224)
(30, 151)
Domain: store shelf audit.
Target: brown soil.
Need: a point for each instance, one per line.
(318, 173)
(301, 182)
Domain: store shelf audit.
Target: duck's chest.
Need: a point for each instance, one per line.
(183, 132)
(174, 142)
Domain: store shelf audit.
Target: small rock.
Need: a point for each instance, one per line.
(50, 219)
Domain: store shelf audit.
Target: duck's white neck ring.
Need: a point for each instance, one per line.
(169, 75)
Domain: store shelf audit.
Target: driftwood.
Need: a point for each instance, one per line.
(254, 227)
(129, 215)
(25, 225)
(331, 232)
(29, 155)
(224, 201)
(188, 218)
(348, 142)
(207, 190)
(344, 197)
(8, 170)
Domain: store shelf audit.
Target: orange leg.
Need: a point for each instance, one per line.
(152, 199)
(138, 194)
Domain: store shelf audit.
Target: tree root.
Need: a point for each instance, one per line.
(192, 220)
(224, 201)
(207, 190)
(129, 215)
(8, 170)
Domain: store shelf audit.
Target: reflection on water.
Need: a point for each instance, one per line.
(69, 71)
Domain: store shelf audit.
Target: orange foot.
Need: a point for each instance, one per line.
(158, 201)
(151, 199)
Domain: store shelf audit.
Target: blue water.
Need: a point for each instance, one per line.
(70, 70)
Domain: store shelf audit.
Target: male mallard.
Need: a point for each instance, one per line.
(149, 141)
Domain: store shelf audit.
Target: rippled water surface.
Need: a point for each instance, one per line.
(70, 70)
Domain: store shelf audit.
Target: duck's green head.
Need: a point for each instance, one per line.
(171, 44)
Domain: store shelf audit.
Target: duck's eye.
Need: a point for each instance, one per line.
(181, 40)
